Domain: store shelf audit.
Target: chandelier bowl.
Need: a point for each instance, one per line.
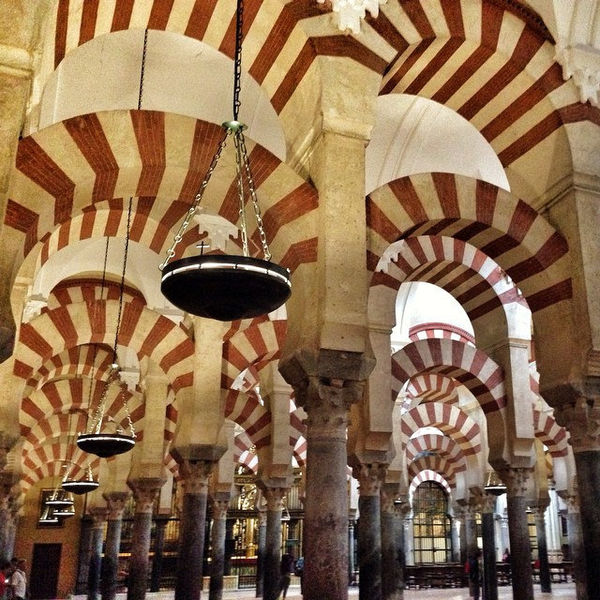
(105, 445)
(225, 287)
(79, 487)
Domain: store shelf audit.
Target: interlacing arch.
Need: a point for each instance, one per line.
(552, 435)
(450, 420)
(462, 362)
(429, 475)
(245, 410)
(432, 387)
(436, 463)
(144, 331)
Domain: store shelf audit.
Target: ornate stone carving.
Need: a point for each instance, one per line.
(195, 475)
(370, 477)
(274, 497)
(572, 502)
(350, 12)
(219, 508)
(582, 419)
(262, 517)
(518, 481)
(389, 493)
(487, 503)
(99, 515)
(582, 63)
(115, 502)
(144, 493)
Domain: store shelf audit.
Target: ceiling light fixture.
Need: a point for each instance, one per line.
(227, 287)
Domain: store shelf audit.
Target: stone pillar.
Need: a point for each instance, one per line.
(581, 419)
(115, 502)
(455, 539)
(370, 478)
(459, 512)
(576, 546)
(351, 564)
(540, 529)
(220, 502)
(159, 545)
(326, 402)
(229, 546)
(99, 515)
(145, 491)
(85, 549)
(260, 552)
(392, 550)
(274, 497)
(518, 481)
(6, 520)
(192, 528)
(470, 528)
(409, 538)
(490, 580)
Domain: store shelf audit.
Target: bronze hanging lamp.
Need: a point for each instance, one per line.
(81, 486)
(97, 440)
(227, 287)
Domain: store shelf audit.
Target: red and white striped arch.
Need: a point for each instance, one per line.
(245, 452)
(73, 291)
(468, 365)
(433, 387)
(438, 464)
(158, 158)
(554, 437)
(251, 415)
(300, 451)
(425, 331)
(441, 445)
(144, 331)
(502, 227)
(428, 475)
(450, 420)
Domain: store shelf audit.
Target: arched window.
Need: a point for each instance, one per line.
(432, 525)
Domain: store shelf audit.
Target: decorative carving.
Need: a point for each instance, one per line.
(518, 481)
(219, 229)
(350, 12)
(145, 492)
(99, 515)
(370, 477)
(487, 503)
(582, 63)
(195, 475)
(219, 508)
(582, 419)
(115, 502)
(572, 502)
(274, 497)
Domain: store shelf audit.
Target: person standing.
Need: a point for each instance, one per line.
(18, 581)
(286, 569)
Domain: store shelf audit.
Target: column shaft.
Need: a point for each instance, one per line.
(260, 553)
(351, 565)
(217, 538)
(95, 557)
(490, 580)
(540, 528)
(159, 544)
(85, 548)
(139, 560)
(369, 548)
(577, 550)
(520, 548)
(272, 555)
(110, 562)
(392, 581)
(588, 484)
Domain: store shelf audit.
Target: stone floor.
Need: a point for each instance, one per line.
(559, 590)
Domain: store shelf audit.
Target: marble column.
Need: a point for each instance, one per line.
(455, 539)
(260, 552)
(159, 544)
(470, 529)
(99, 515)
(409, 539)
(220, 502)
(192, 528)
(490, 580)
(115, 502)
(85, 549)
(274, 497)
(351, 565)
(392, 575)
(576, 545)
(326, 402)
(540, 529)
(370, 478)
(459, 512)
(145, 491)
(229, 546)
(518, 481)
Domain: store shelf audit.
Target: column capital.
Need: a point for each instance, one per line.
(262, 517)
(195, 475)
(571, 500)
(487, 503)
(274, 497)
(115, 501)
(388, 495)
(220, 504)
(582, 420)
(518, 480)
(370, 477)
(99, 515)
(145, 491)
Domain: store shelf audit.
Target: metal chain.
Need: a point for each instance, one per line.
(194, 207)
(237, 63)
(128, 416)
(143, 69)
(240, 183)
(257, 214)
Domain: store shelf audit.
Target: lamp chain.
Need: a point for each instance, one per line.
(143, 69)
(237, 63)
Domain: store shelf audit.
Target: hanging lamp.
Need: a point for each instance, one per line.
(494, 485)
(227, 287)
(96, 440)
(48, 517)
(81, 486)
(64, 512)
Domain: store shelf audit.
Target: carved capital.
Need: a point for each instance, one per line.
(274, 497)
(99, 515)
(487, 503)
(145, 492)
(518, 481)
(220, 504)
(262, 517)
(572, 502)
(388, 496)
(115, 501)
(370, 477)
(195, 475)
(582, 419)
